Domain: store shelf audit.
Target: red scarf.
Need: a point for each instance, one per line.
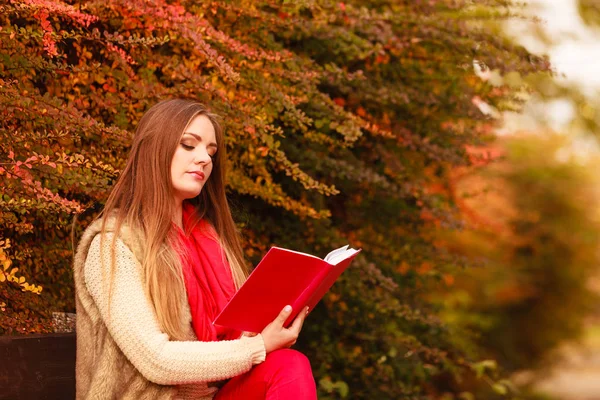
(208, 280)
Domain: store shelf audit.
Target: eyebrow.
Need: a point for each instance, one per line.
(199, 138)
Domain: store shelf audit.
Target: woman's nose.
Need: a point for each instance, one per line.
(202, 156)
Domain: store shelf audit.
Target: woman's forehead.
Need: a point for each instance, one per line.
(202, 128)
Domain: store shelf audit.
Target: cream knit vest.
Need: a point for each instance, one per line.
(136, 360)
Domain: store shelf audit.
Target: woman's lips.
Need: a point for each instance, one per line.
(198, 175)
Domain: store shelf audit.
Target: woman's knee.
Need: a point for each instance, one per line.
(289, 358)
(290, 375)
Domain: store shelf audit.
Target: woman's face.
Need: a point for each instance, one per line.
(192, 162)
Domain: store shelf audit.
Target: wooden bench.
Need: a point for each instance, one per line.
(37, 367)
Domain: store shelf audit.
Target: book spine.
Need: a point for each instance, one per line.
(326, 282)
(302, 300)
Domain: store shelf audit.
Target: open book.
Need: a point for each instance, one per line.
(283, 277)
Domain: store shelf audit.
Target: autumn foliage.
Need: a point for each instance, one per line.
(343, 121)
(533, 223)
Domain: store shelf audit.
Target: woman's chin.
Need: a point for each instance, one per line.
(188, 194)
(193, 195)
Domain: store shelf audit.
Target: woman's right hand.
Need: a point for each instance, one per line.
(276, 336)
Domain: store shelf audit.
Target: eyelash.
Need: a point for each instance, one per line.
(190, 148)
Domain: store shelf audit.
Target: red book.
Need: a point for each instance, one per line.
(283, 277)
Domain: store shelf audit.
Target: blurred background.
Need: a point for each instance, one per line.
(455, 141)
(553, 154)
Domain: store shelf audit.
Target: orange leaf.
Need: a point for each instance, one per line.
(448, 279)
(339, 101)
(424, 268)
(403, 268)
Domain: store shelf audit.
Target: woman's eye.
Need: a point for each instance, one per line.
(187, 146)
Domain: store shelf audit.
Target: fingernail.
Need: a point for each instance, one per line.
(287, 308)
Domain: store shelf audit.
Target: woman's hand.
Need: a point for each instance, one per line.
(276, 336)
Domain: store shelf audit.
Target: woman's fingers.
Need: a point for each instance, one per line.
(299, 321)
(276, 336)
(283, 315)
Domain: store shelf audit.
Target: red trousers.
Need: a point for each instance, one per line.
(285, 374)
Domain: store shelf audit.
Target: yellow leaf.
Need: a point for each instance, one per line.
(6, 263)
(22, 279)
(14, 271)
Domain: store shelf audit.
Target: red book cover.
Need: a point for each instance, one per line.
(283, 277)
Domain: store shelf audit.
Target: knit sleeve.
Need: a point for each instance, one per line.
(133, 325)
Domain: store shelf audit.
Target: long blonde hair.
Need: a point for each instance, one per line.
(143, 199)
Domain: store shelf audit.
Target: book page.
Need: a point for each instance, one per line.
(333, 257)
(340, 254)
(296, 252)
(334, 252)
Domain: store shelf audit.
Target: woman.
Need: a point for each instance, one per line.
(157, 266)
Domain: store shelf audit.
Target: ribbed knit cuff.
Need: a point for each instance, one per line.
(256, 346)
